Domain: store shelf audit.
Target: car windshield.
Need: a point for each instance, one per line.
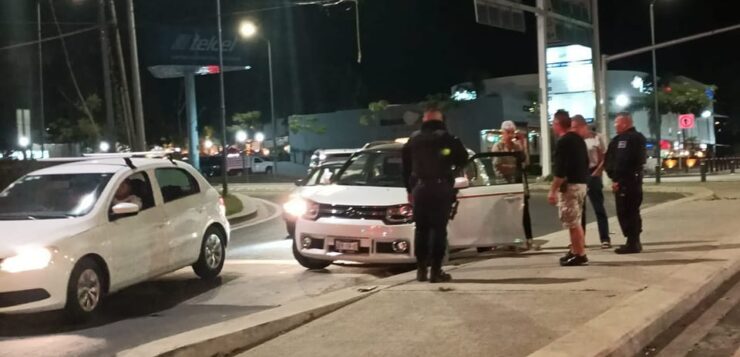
(51, 196)
(373, 168)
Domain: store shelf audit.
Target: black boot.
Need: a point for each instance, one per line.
(421, 271)
(439, 276)
(633, 246)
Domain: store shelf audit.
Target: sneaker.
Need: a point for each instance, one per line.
(440, 277)
(566, 256)
(628, 249)
(421, 274)
(575, 260)
(606, 245)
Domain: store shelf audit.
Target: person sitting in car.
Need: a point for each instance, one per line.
(124, 194)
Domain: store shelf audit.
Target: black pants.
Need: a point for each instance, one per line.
(596, 196)
(629, 199)
(432, 205)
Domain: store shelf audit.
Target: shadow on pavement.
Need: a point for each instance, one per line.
(530, 281)
(145, 299)
(649, 263)
(696, 248)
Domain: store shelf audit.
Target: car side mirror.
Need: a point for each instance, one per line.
(461, 182)
(124, 209)
(299, 182)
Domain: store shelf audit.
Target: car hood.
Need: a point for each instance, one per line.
(37, 233)
(355, 195)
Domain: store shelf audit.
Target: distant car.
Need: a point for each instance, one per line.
(74, 233)
(294, 207)
(364, 214)
(322, 156)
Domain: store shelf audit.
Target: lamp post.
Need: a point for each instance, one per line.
(655, 95)
(248, 29)
(222, 100)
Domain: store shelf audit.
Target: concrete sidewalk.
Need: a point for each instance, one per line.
(527, 304)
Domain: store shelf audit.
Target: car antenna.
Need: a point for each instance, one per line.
(129, 163)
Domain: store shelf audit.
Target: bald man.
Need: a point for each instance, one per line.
(624, 163)
(430, 159)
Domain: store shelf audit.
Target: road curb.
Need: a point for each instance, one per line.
(238, 335)
(248, 212)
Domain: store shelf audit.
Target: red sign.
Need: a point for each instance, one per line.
(686, 121)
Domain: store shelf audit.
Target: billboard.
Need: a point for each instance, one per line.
(490, 14)
(570, 80)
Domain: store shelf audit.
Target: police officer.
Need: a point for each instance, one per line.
(430, 159)
(624, 161)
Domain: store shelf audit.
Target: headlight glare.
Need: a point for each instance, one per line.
(27, 259)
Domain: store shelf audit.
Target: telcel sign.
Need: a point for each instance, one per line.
(196, 43)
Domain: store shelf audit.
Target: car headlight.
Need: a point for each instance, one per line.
(296, 207)
(312, 210)
(399, 214)
(27, 259)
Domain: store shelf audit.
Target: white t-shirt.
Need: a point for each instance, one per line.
(595, 145)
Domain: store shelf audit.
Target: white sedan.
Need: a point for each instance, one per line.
(364, 216)
(73, 233)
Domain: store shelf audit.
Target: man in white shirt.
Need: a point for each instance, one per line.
(124, 194)
(596, 145)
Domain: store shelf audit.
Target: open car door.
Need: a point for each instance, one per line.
(490, 210)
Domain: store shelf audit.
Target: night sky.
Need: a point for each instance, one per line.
(411, 48)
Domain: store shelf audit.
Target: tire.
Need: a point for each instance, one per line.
(309, 263)
(85, 290)
(268, 170)
(212, 255)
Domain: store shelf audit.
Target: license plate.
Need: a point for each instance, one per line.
(345, 246)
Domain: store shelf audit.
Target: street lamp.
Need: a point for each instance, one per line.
(706, 114)
(241, 136)
(247, 29)
(656, 111)
(24, 141)
(104, 146)
(622, 100)
(208, 144)
(259, 137)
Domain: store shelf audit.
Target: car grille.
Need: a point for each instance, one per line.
(352, 212)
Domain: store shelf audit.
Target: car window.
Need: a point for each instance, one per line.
(312, 179)
(482, 171)
(257, 160)
(379, 168)
(176, 183)
(137, 189)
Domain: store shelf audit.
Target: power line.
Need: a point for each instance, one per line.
(52, 38)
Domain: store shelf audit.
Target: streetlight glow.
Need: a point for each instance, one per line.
(622, 100)
(706, 114)
(208, 144)
(259, 137)
(24, 141)
(104, 146)
(241, 136)
(247, 29)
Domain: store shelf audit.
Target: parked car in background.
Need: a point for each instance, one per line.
(295, 205)
(76, 232)
(253, 164)
(322, 156)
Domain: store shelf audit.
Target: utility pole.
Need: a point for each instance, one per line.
(140, 142)
(542, 70)
(272, 109)
(125, 96)
(42, 118)
(656, 111)
(110, 129)
(222, 101)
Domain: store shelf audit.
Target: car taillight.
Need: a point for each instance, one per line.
(399, 214)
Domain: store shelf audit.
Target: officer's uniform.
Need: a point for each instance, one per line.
(624, 164)
(428, 161)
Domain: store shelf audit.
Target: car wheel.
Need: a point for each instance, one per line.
(268, 170)
(212, 254)
(313, 264)
(84, 290)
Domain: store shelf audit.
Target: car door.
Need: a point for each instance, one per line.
(490, 210)
(136, 240)
(184, 209)
(259, 165)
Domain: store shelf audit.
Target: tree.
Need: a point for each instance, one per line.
(80, 130)
(677, 98)
(248, 120)
(375, 109)
(439, 101)
(297, 124)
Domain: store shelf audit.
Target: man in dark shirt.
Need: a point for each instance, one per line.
(624, 162)
(568, 188)
(430, 159)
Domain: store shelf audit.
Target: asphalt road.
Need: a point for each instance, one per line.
(260, 274)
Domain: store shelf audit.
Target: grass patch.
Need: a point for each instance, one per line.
(233, 205)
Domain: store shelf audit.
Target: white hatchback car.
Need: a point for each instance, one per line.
(72, 233)
(364, 216)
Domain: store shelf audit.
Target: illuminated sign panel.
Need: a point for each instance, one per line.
(570, 81)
